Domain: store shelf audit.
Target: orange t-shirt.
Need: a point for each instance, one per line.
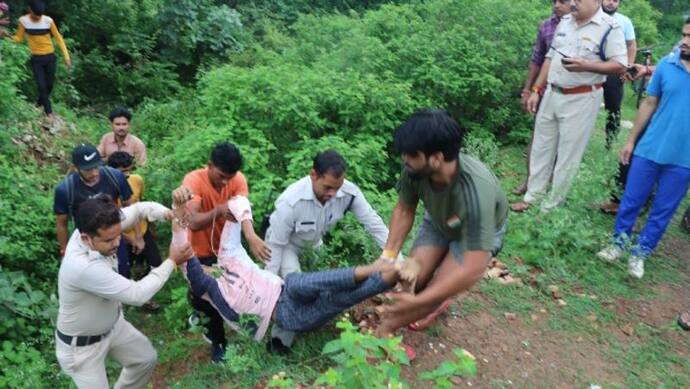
(204, 192)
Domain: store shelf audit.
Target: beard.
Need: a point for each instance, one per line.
(610, 12)
(418, 175)
(685, 56)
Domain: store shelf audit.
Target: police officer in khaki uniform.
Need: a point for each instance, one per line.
(90, 324)
(587, 46)
(303, 214)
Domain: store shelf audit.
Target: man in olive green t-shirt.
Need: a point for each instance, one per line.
(464, 221)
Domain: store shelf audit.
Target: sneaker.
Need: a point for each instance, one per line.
(636, 266)
(275, 345)
(217, 353)
(610, 254)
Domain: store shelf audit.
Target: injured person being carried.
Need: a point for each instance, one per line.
(302, 302)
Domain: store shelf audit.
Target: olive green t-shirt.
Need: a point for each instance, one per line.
(469, 210)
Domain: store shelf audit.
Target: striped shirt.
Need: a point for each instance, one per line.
(38, 35)
(469, 210)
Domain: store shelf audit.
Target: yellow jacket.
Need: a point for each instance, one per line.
(38, 35)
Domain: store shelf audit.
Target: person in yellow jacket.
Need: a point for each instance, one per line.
(38, 29)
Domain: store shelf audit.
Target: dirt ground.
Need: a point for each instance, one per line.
(524, 353)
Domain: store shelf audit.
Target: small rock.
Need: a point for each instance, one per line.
(628, 329)
(626, 124)
(534, 317)
(555, 292)
(456, 380)
(510, 316)
(542, 310)
(592, 317)
(561, 303)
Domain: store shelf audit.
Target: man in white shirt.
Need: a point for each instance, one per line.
(305, 211)
(90, 323)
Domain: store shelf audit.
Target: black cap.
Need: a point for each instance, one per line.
(86, 157)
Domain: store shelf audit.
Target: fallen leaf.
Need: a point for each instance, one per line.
(592, 317)
(534, 317)
(456, 380)
(561, 303)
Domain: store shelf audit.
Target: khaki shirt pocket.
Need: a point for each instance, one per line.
(589, 49)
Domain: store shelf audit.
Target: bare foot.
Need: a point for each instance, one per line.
(520, 206)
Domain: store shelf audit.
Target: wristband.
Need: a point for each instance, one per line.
(536, 89)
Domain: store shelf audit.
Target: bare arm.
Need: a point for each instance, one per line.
(201, 220)
(400, 225)
(632, 51)
(61, 231)
(532, 74)
(257, 246)
(533, 101)
(644, 113)
(471, 271)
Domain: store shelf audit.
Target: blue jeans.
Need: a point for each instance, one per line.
(310, 300)
(672, 184)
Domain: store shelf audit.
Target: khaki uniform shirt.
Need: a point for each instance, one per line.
(583, 42)
(90, 289)
(300, 219)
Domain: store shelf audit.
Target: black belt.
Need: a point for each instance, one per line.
(81, 340)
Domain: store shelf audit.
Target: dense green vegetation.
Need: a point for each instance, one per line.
(284, 79)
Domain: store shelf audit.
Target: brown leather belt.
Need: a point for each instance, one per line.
(577, 89)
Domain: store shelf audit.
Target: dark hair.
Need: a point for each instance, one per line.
(119, 112)
(37, 7)
(331, 162)
(429, 131)
(687, 21)
(96, 212)
(120, 159)
(226, 156)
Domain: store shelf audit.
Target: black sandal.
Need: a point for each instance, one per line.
(684, 324)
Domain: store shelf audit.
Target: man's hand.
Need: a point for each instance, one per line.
(640, 71)
(533, 103)
(222, 210)
(626, 153)
(399, 303)
(259, 248)
(524, 97)
(138, 244)
(181, 195)
(575, 64)
(181, 253)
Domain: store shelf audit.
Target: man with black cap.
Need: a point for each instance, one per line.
(91, 178)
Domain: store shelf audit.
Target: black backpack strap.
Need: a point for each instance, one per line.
(349, 205)
(602, 52)
(69, 183)
(112, 179)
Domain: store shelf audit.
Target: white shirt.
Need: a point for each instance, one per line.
(300, 218)
(90, 289)
(583, 42)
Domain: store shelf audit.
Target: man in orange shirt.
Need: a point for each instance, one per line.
(212, 187)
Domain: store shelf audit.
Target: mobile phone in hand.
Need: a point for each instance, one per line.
(566, 60)
(632, 71)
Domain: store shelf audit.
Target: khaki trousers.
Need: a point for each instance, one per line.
(125, 344)
(562, 128)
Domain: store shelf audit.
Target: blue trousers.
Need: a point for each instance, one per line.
(671, 182)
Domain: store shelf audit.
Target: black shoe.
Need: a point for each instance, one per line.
(276, 346)
(217, 353)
